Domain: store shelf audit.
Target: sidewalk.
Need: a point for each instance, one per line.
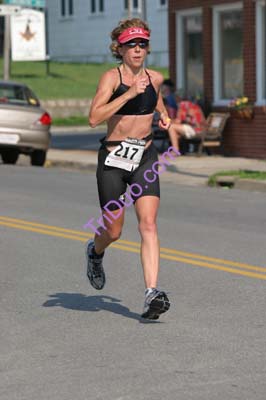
(186, 170)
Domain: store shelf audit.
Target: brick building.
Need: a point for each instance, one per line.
(218, 48)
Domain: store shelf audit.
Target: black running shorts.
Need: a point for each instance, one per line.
(113, 182)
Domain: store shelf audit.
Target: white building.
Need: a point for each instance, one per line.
(79, 30)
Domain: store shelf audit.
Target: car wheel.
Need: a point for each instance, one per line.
(9, 156)
(38, 158)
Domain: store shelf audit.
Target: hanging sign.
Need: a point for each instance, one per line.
(6, 9)
(27, 3)
(28, 36)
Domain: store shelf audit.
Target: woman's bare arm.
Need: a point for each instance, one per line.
(164, 121)
(100, 109)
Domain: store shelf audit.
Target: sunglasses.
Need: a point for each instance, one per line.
(132, 44)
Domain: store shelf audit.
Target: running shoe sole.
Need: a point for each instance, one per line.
(158, 306)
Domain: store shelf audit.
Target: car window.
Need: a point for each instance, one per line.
(15, 94)
(32, 99)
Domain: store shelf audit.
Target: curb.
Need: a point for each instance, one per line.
(71, 164)
(251, 184)
(242, 184)
(226, 180)
(222, 181)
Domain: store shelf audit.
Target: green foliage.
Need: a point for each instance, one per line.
(62, 80)
(71, 121)
(239, 103)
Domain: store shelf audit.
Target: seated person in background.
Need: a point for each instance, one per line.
(169, 98)
(189, 122)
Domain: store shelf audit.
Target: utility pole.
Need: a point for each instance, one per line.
(7, 46)
(47, 60)
(8, 10)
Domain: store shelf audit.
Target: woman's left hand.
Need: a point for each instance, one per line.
(164, 122)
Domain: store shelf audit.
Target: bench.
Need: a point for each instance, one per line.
(209, 138)
(212, 135)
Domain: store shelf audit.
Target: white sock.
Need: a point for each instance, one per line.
(148, 291)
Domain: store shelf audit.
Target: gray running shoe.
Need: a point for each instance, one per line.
(156, 303)
(95, 271)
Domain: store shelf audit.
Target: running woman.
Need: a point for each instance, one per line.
(126, 99)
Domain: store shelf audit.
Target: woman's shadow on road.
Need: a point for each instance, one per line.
(80, 302)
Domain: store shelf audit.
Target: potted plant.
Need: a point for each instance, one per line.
(242, 108)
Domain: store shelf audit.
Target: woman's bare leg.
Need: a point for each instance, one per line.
(111, 233)
(175, 132)
(146, 210)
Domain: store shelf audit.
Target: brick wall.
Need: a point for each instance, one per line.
(244, 138)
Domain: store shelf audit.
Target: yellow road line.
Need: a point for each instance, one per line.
(198, 263)
(137, 245)
(213, 259)
(43, 231)
(134, 247)
(50, 227)
(163, 249)
(217, 267)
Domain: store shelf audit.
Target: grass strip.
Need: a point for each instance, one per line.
(240, 174)
(71, 121)
(58, 80)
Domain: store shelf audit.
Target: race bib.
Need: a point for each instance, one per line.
(126, 155)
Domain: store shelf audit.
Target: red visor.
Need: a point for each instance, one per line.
(133, 33)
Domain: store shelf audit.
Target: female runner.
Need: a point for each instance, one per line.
(126, 98)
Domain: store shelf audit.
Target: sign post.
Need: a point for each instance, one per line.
(7, 48)
(7, 11)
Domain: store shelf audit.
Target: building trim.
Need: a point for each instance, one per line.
(180, 42)
(218, 101)
(260, 51)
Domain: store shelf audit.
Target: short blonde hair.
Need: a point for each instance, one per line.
(122, 25)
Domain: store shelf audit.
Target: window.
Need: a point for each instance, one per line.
(67, 8)
(15, 94)
(93, 6)
(96, 6)
(101, 6)
(189, 52)
(228, 52)
(70, 7)
(63, 8)
(163, 4)
(261, 51)
(133, 4)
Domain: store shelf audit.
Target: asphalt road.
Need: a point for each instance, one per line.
(61, 339)
(85, 138)
(69, 140)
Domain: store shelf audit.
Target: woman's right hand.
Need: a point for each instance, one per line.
(138, 86)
